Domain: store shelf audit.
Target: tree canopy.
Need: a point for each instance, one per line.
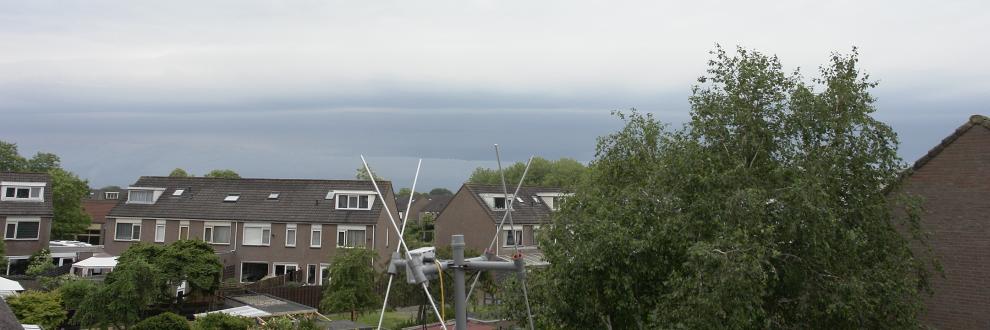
(362, 174)
(441, 191)
(767, 210)
(38, 307)
(221, 174)
(179, 173)
(68, 190)
(563, 172)
(146, 276)
(352, 284)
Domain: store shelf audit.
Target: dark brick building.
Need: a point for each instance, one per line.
(954, 180)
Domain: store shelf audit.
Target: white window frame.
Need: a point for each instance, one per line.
(489, 199)
(315, 278)
(155, 193)
(284, 264)
(107, 194)
(266, 239)
(315, 228)
(159, 231)
(133, 223)
(343, 229)
(514, 229)
(183, 224)
(323, 267)
(16, 222)
(178, 192)
(342, 197)
(7, 272)
(232, 198)
(240, 278)
(294, 235)
(213, 224)
(40, 186)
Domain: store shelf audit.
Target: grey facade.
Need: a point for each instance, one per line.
(270, 226)
(26, 211)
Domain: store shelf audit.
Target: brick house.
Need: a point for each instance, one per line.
(258, 227)
(476, 209)
(26, 211)
(954, 181)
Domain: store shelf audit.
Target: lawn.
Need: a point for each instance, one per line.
(392, 319)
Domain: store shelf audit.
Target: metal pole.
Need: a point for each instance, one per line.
(460, 310)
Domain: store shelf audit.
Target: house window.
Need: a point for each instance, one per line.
(353, 202)
(316, 236)
(178, 192)
(512, 237)
(499, 203)
(217, 233)
(111, 195)
(311, 275)
(141, 196)
(257, 234)
(324, 274)
(17, 265)
(290, 235)
(231, 198)
(555, 204)
(184, 232)
(26, 229)
(160, 231)
(286, 269)
(273, 195)
(127, 230)
(351, 236)
(25, 193)
(253, 271)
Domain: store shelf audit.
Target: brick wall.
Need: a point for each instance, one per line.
(955, 184)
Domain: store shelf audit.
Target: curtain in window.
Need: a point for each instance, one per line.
(356, 238)
(124, 231)
(221, 234)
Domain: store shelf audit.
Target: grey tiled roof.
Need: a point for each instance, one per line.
(27, 208)
(526, 212)
(299, 200)
(7, 318)
(437, 203)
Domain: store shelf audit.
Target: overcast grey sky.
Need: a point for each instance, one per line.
(298, 89)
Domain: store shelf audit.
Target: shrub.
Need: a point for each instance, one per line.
(163, 321)
(37, 307)
(221, 321)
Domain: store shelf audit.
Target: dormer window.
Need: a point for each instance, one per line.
(231, 198)
(178, 192)
(111, 195)
(353, 202)
(23, 191)
(141, 196)
(273, 195)
(499, 203)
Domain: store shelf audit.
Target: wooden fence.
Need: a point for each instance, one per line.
(306, 295)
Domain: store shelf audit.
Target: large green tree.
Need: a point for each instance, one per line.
(563, 172)
(179, 173)
(766, 210)
(146, 277)
(352, 284)
(67, 188)
(222, 174)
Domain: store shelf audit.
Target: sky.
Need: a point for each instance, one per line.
(300, 89)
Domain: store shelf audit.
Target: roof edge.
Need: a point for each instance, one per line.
(974, 120)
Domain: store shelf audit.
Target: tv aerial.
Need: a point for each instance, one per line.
(419, 266)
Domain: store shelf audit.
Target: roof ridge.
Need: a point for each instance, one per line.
(258, 179)
(974, 120)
